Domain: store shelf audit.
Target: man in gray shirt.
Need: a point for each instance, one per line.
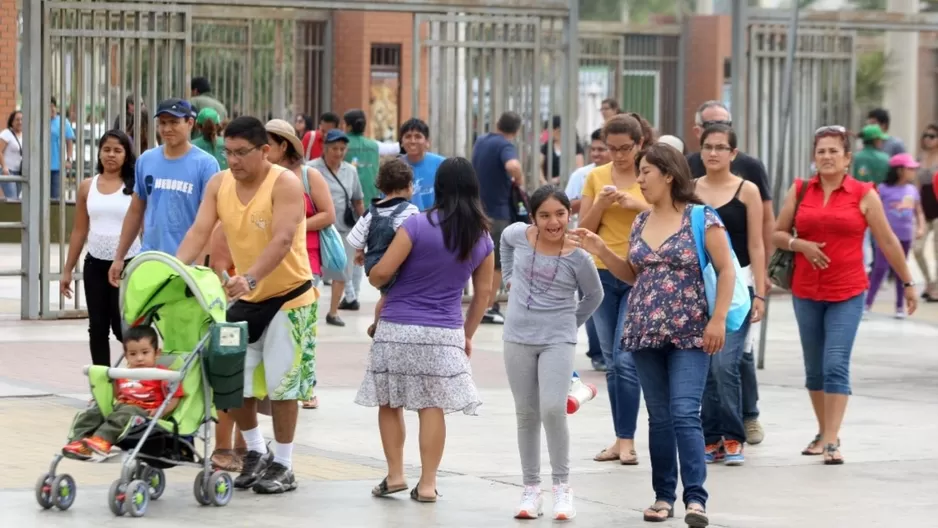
(891, 145)
(347, 196)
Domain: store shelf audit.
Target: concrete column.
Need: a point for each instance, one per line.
(901, 82)
(704, 7)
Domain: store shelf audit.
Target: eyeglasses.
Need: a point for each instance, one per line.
(719, 149)
(929, 136)
(830, 129)
(620, 150)
(238, 153)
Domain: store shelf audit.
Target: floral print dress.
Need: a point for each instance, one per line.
(667, 305)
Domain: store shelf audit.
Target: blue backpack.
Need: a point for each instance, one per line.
(741, 303)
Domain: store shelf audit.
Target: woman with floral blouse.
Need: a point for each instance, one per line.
(667, 327)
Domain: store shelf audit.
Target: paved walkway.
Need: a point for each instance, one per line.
(888, 438)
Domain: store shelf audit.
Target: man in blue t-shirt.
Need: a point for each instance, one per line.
(495, 160)
(415, 140)
(170, 182)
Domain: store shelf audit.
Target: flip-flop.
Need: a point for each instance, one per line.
(606, 456)
(312, 403)
(829, 459)
(658, 509)
(632, 460)
(382, 490)
(817, 439)
(420, 498)
(695, 516)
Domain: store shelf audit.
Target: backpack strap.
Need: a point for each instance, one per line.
(401, 207)
(305, 179)
(698, 227)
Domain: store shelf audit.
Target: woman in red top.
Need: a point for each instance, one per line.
(830, 279)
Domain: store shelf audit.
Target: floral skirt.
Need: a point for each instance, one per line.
(419, 367)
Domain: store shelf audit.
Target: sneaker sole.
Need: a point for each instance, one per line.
(76, 456)
(734, 463)
(564, 516)
(282, 489)
(525, 514)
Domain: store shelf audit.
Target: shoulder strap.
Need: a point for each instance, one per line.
(401, 207)
(697, 224)
(337, 180)
(740, 188)
(305, 179)
(309, 146)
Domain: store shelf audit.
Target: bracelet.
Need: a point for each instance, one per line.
(761, 298)
(791, 243)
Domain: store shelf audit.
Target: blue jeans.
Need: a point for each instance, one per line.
(621, 379)
(722, 413)
(747, 377)
(674, 383)
(11, 190)
(55, 185)
(596, 350)
(827, 331)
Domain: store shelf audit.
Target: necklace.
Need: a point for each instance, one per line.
(532, 284)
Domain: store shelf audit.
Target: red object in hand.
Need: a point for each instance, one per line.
(580, 393)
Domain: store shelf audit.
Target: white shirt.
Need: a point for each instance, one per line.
(574, 190)
(13, 153)
(359, 234)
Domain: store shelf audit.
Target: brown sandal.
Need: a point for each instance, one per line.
(606, 456)
(807, 451)
(226, 460)
(669, 509)
(312, 403)
(695, 516)
(632, 460)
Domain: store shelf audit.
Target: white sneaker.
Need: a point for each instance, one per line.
(532, 505)
(563, 503)
(900, 313)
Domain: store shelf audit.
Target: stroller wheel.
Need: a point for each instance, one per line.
(138, 498)
(220, 488)
(63, 492)
(44, 491)
(116, 498)
(199, 487)
(156, 479)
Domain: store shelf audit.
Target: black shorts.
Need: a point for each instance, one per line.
(497, 227)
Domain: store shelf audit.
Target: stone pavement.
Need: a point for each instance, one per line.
(888, 480)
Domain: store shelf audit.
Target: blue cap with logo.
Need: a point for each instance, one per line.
(176, 108)
(335, 135)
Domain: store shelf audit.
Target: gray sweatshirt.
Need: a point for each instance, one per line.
(550, 313)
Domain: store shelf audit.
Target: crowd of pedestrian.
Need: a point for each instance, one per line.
(625, 249)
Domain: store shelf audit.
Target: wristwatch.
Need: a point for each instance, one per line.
(908, 284)
(252, 282)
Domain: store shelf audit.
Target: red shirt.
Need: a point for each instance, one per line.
(841, 226)
(314, 150)
(146, 394)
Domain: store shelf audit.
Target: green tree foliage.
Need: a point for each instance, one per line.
(871, 75)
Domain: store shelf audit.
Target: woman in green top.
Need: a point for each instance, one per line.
(362, 153)
(208, 123)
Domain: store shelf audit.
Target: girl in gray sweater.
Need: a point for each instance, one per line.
(544, 271)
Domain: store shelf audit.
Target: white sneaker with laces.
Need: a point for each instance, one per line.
(563, 503)
(532, 505)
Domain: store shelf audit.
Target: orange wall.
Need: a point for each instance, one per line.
(7, 59)
(708, 43)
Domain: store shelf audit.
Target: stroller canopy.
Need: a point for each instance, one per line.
(182, 301)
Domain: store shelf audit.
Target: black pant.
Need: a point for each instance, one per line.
(104, 314)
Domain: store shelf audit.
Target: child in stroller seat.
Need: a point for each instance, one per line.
(136, 400)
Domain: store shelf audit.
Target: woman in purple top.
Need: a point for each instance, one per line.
(667, 327)
(420, 357)
(903, 207)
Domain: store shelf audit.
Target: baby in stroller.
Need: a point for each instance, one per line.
(136, 400)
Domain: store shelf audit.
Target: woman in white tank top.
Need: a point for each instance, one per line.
(99, 214)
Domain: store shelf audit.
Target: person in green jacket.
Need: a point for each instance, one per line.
(362, 153)
(871, 164)
(208, 122)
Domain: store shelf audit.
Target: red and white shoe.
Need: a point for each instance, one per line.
(532, 505)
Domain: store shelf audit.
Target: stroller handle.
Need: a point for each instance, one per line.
(140, 373)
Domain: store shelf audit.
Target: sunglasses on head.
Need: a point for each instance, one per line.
(830, 129)
(705, 124)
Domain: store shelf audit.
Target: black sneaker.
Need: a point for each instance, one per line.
(334, 320)
(254, 465)
(277, 479)
(493, 316)
(345, 305)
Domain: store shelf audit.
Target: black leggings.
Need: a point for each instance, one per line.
(103, 309)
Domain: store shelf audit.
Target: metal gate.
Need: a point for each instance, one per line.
(822, 88)
(483, 65)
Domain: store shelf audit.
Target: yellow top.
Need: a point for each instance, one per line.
(615, 225)
(248, 228)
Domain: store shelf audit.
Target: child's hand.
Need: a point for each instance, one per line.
(359, 257)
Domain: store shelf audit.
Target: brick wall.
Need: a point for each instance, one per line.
(354, 33)
(708, 43)
(8, 33)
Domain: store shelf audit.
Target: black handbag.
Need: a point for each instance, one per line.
(781, 266)
(349, 217)
(520, 207)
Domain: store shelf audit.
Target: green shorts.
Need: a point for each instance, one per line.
(281, 364)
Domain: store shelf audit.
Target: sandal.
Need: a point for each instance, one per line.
(382, 490)
(312, 403)
(420, 498)
(695, 516)
(631, 461)
(669, 509)
(606, 456)
(814, 445)
(830, 458)
(226, 460)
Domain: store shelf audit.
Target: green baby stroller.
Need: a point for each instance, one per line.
(187, 307)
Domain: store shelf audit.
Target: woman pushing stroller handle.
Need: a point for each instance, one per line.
(161, 400)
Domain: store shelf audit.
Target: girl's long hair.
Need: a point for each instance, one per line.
(130, 159)
(458, 207)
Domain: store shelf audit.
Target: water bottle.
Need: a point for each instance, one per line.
(579, 393)
(522, 210)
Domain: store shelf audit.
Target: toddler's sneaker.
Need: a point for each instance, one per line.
(563, 503)
(900, 313)
(98, 445)
(532, 505)
(77, 451)
(714, 452)
(733, 453)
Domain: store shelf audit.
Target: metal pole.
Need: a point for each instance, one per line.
(32, 164)
(739, 26)
(783, 149)
(571, 98)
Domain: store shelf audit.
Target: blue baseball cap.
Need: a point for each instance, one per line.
(335, 135)
(176, 108)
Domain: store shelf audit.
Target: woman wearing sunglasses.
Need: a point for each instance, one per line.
(829, 279)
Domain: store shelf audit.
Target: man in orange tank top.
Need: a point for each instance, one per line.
(261, 210)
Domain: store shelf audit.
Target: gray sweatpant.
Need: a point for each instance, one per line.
(539, 377)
